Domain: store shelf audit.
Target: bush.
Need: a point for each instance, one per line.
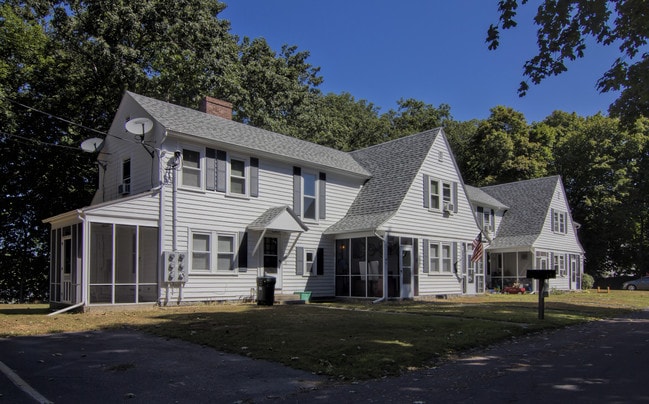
(587, 281)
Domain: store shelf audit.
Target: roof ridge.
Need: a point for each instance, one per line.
(398, 139)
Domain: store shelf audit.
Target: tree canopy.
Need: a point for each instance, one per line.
(65, 65)
(565, 26)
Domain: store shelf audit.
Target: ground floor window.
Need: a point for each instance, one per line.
(123, 263)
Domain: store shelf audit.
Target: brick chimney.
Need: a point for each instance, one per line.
(214, 106)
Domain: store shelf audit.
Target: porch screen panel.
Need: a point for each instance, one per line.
(148, 264)
(342, 268)
(394, 288)
(374, 267)
(101, 263)
(358, 267)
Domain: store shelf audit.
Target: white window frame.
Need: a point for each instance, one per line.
(209, 252)
(560, 222)
(215, 253)
(232, 254)
(437, 259)
(446, 261)
(200, 169)
(315, 197)
(560, 264)
(246, 176)
(310, 267)
(444, 193)
(435, 196)
(124, 179)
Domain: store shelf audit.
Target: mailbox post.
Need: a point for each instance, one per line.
(541, 275)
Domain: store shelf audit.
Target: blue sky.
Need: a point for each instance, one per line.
(433, 51)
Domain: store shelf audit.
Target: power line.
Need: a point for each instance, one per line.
(55, 116)
(36, 141)
(63, 120)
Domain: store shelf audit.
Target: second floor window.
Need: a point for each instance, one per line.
(309, 195)
(434, 195)
(237, 177)
(191, 168)
(559, 222)
(126, 172)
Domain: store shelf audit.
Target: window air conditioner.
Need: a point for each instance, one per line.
(449, 207)
(487, 228)
(124, 189)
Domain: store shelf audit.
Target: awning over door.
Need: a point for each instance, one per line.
(280, 218)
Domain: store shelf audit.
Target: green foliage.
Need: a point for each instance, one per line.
(506, 149)
(587, 281)
(564, 29)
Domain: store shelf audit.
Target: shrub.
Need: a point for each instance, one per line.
(587, 281)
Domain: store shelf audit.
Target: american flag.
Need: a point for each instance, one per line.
(477, 249)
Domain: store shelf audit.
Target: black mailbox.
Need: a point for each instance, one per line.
(541, 275)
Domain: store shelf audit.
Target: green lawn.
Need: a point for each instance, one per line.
(346, 340)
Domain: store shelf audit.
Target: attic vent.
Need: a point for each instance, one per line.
(214, 106)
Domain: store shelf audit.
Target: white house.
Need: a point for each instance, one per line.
(196, 207)
(529, 226)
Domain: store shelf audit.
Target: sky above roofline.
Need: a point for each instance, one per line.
(433, 51)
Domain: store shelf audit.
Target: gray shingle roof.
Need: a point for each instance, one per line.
(481, 198)
(393, 166)
(529, 203)
(230, 133)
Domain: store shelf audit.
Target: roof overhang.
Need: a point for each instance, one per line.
(281, 218)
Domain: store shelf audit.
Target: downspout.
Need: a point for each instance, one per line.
(385, 277)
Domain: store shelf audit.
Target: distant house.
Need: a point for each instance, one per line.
(197, 207)
(529, 226)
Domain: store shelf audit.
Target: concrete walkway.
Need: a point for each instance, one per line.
(603, 361)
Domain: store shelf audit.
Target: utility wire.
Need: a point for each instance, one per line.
(36, 141)
(66, 121)
(55, 117)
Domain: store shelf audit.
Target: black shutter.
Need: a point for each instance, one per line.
(297, 192)
(221, 157)
(254, 177)
(320, 261)
(210, 169)
(299, 261)
(426, 246)
(243, 251)
(426, 191)
(323, 196)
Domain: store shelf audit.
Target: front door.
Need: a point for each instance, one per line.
(406, 273)
(271, 260)
(66, 270)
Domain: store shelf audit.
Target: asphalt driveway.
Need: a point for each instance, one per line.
(602, 361)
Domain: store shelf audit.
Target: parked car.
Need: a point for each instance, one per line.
(640, 284)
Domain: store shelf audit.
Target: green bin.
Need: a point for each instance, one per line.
(266, 290)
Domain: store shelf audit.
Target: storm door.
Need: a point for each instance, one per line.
(406, 272)
(271, 260)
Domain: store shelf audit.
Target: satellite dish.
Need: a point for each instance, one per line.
(139, 126)
(92, 145)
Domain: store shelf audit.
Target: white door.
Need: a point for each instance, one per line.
(271, 260)
(406, 272)
(66, 269)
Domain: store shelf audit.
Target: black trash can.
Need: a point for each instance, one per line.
(266, 290)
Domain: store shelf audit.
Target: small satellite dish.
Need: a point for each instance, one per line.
(92, 145)
(139, 126)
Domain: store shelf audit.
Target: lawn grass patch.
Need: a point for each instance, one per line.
(344, 340)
